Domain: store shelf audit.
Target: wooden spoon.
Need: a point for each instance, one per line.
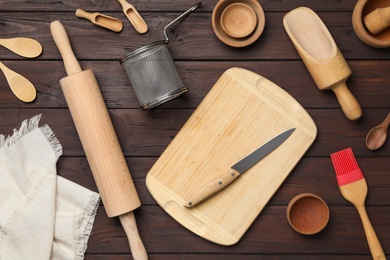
(101, 20)
(376, 137)
(134, 17)
(25, 47)
(20, 86)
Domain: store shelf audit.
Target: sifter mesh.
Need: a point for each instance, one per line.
(153, 75)
(152, 72)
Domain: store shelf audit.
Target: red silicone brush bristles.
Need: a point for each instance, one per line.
(346, 167)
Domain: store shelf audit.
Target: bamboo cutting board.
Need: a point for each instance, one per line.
(241, 112)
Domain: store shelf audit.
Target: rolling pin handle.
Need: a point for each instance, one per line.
(61, 39)
(130, 226)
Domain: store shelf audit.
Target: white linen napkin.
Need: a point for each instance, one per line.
(42, 215)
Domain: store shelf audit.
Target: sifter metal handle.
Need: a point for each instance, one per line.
(179, 18)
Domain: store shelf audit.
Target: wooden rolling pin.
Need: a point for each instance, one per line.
(377, 20)
(321, 56)
(99, 141)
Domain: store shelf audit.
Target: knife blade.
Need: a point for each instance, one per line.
(237, 169)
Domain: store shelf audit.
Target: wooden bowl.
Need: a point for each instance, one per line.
(362, 8)
(238, 20)
(226, 29)
(307, 213)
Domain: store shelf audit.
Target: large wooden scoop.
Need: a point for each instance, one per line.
(99, 141)
(321, 56)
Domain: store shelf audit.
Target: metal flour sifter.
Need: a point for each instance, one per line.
(152, 72)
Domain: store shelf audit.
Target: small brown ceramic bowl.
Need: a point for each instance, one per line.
(238, 23)
(362, 8)
(307, 213)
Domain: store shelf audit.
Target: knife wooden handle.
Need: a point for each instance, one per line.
(212, 187)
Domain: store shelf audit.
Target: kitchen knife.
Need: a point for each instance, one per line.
(240, 167)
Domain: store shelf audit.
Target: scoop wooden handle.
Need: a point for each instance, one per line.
(348, 102)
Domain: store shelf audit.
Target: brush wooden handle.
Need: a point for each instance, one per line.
(372, 239)
(348, 102)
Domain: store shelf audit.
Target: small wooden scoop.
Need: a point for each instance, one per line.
(134, 17)
(20, 86)
(377, 20)
(101, 20)
(321, 56)
(25, 47)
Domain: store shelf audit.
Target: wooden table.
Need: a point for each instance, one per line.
(201, 59)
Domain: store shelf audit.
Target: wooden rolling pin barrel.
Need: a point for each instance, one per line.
(99, 141)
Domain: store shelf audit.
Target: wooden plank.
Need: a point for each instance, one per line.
(369, 83)
(161, 234)
(229, 256)
(192, 39)
(169, 5)
(148, 134)
(312, 174)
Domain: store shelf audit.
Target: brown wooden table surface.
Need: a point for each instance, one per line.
(201, 59)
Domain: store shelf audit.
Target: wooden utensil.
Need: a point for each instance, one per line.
(321, 56)
(25, 47)
(241, 112)
(238, 20)
(377, 136)
(99, 141)
(134, 17)
(377, 20)
(218, 22)
(20, 86)
(101, 20)
(353, 187)
(361, 10)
